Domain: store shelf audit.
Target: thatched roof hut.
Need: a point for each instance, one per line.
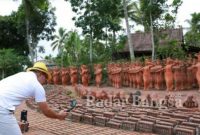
(142, 41)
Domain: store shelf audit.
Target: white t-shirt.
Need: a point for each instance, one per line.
(16, 88)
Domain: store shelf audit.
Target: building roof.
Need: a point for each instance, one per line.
(142, 41)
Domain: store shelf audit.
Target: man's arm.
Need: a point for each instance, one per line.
(43, 106)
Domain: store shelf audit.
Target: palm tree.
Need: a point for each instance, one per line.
(73, 45)
(130, 44)
(59, 42)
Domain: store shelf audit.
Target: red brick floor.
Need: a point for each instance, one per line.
(41, 125)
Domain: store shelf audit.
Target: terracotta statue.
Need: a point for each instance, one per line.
(183, 75)
(109, 67)
(197, 70)
(169, 78)
(190, 76)
(116, 75)
(56, 76)
(194, 71)
(138, 75)
(84, 75)
(159, 75)
(147, 74)
(74, 75)
(51, 80)
(125, 67)
(65, 76)
(153, 76)
(198, 74)
(131, 74)
(98, 74)
(177, 74)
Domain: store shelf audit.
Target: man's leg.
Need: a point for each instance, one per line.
(8, 124)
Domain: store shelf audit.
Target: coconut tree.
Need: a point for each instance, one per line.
(59, 42)
(73, 46)
(130, 44)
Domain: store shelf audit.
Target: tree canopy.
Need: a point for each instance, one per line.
(41, 26)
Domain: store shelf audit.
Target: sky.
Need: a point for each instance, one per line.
(64, 16)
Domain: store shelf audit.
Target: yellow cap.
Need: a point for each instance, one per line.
(40, 66)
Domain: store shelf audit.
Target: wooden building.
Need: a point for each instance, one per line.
(142, 44)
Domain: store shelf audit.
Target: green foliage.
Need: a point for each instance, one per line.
(10, 35)
(162, 15)
(11, 62)
(41, 18)
(192, 37)
(97, 17)
(171, 49)
(76, 50)
(59, 40)
(73, 47)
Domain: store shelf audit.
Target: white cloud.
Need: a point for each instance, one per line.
(64, 14)
(7, 6)
(187, 8)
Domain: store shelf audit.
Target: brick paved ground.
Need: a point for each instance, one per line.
(41, 125)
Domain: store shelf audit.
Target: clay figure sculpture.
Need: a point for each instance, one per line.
(56, 76)
(98, 74)
(65, 76)
(177, 74)
(50, 81)
(159, 75)
(84, 75)
(116, 75)
(169, 78)
(147, 75)
(138, 75)
(74, 75)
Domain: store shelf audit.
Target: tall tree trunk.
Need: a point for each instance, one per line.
(130, 44)
(152, 36)
(28, 36)
(91, 39)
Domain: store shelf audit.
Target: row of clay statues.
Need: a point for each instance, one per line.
(67, 76)
(170, 74)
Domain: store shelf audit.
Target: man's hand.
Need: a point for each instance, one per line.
(50, 113)
(62, 115)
